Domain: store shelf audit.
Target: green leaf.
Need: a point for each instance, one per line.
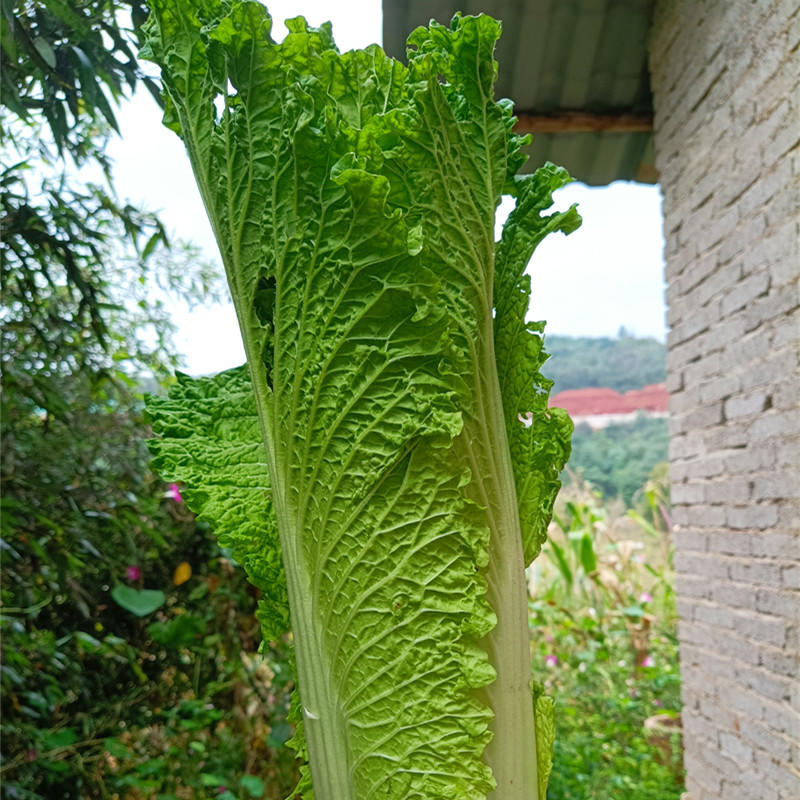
(138, 601)
(588, 558)
(539, 437)
(380, 545)
(117, 749)
(45, 50)
(209, 439)
(544, 714)
(636, 612)
(88, 641)
(58, 739)
(353, 199)
(253, 785)
(151, 245)
(560, 561)
(210, 779)
(179, 631)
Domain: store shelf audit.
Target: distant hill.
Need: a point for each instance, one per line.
(621, 364)
(616, 458)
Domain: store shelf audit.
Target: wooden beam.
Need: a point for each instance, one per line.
(583, 122)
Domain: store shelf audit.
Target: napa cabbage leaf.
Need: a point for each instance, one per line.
(385, 465)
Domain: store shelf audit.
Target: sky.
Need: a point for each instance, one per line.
(607, 274)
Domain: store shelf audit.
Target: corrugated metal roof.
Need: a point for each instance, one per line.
(557, 58)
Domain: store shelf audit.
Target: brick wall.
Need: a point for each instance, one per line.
(726, 82)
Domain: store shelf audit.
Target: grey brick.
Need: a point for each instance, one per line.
(730, 490)
(777, 545)
(752, 459)
(719, 388)
(789, 452)
(780, 301)
(725, 437)
(758, 196)
(714, 615)
(783, 776)
(734, 747)
(734, 646)
(756, 572)
(787, 330)
(745, 405)
(770, 370)
(780, 661)
(764, 683)
(681, 402)
(752, 516)
(724, 763)
(789, 515)
(758, 735)
(735, 595)
(762, 628)
(680, 516)
(731, 694)
(781, 718)
(752, 347)
(791, 576)
(785, 604)
(707, 516)
(729, 542)
(745, 292)
(690, 540)
(769, 425)
(706, 466)
(693, 587)
(786, 395)
(687, 493)
(702, 565)
(786, 138)
(722, 334)
(748, 785)
(722, 226)
(692, 633)
(776, 486)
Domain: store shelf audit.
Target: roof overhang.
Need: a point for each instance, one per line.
(576, 71)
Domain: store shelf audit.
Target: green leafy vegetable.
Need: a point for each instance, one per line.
(387, 461)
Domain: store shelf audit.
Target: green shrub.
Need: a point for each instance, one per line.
(129, 638)
(605, 648)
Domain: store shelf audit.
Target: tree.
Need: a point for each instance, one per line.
(76, 264)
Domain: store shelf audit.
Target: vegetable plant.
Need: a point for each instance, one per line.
(385, 465)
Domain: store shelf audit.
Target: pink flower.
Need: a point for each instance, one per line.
(550, 660)
(174, 493)
(657, 703)
(548, 637)
(648, 661)
(133, 573)
(645, 597)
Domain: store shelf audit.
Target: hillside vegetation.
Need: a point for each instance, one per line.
(618, 459)
(621, 364)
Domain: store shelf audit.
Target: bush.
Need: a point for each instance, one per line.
(618, 459)
(604, 624)
(129, 638)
